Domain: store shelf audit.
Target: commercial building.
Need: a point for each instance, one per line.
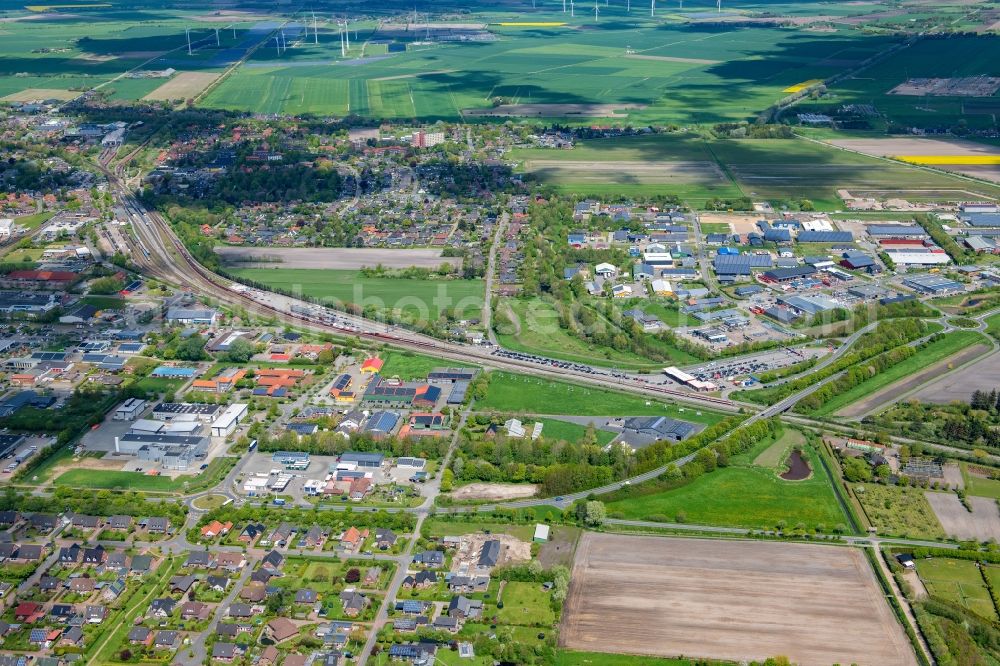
(186, 411)
(129, 410)
(933, 285)
(298, 460)
(192, 316)
(361, 459)
(226, 424)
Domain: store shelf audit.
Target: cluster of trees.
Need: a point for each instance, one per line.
(27, 175)
(411, 273)
(334, 520)
(745, 130)
(106, 285)
(854, 376)
(968, 425)
(466, 182)
(100, 502)
(560, 467)
(886, 335)
(329, 443)
(958, 254)
(956, 635)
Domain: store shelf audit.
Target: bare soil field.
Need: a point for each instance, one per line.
(892, 393)
(409, 27)
(624, 171)
(183, 86)
(230, 15)
(740, 224)
(982, 524)
(554, 110)
(693, 61)
(38, 94)
(495, 491)
(964, 86)
(342, 258)
(734, 600)
(512, 551)
(901, 146)
(981, 376)
(989, 172)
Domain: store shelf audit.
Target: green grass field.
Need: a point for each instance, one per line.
(743, 495)
(967, 56)
(421, 299)
(526, 604)
(112, 480)
(572, 432)
(958, 581)
(776, 453)
(537, 331)
(979, 486)
(951, 343)
(758, 168)
(521, 393)
(408, 365)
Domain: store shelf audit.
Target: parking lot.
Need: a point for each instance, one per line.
(22, 453)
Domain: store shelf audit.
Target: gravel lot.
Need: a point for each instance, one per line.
(735, 600)
(982, 524)
(982, 375)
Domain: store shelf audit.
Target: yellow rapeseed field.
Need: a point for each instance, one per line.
(949, 159)
(799, 87)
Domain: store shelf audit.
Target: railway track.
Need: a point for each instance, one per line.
(170, 260)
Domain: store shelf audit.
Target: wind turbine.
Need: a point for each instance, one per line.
(347, 34)
(564, 6)
(187, 31)
(217, 42)
(597, 11)
(315, 31)
(652, 7)
(718, 5)
(343, 50)
(572, 8)
(628, 6)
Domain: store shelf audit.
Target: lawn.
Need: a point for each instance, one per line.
(420, 300)
(104, 302)
(776, 453)
(993, 325)
(979, 486)
(536, 331)
(159, 385)
(114, 480)
(897, 511)
(409, 366)
(743, 496)
(520, 393)
(572, 432)
(958, 581)
(947, 345)
(526, 604)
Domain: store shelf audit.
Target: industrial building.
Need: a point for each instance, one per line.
(186, 411)
(129, 410)
(226, 424)
(934, 285)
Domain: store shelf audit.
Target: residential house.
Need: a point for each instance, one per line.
(82, 585)
(200, 559)
(354, 602)
(464, 608)
(385, 538)
(166, 640)
(280, 629)
(231, 561)
(140, 636)
(195, 610)
(161, 608)
(217, 583)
